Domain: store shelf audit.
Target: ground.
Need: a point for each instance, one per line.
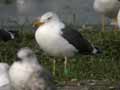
(103, 69)
(91, 85)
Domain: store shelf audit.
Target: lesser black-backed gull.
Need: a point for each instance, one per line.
(59, 40)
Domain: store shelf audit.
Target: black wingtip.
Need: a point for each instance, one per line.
(99, 50)
(96, 50)
(14, 32)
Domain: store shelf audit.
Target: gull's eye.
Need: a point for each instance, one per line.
(49, 18)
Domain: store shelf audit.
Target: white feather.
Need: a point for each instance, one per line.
(118, 18)
(4, 77)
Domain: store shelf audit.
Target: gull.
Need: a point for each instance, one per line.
(108, 8)
(4, 77)
(28, 74)
(118, 18)
(60, 40)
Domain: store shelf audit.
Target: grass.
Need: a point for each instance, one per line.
(105, 66)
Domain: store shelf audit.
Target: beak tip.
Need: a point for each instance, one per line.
(37, 23)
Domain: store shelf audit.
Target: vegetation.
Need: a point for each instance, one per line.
(105, 66)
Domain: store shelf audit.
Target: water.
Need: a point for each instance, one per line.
(71, 11)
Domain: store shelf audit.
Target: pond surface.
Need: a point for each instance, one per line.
(72, 11)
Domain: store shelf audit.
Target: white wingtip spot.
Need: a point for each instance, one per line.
(94, 51)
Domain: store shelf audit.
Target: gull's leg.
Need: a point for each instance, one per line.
(65, 66)
(115, 23)
(54, 67)
(103, 23)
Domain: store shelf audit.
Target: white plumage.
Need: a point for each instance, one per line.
(108, 8)
(4, 77)
(49, 37)
(27, 74)
(118, 18)
(54, 37)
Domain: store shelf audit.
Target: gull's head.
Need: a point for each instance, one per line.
(45, 18)
(49, 16)
(26, 54)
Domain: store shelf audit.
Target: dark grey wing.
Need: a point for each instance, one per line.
(77, 40)
(4, 35)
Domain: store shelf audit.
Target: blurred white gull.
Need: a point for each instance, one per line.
(108, 8)
(28, 74)
(60, 40)
(4, 77)
(118, 18)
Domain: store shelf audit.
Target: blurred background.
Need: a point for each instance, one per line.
(70, 11)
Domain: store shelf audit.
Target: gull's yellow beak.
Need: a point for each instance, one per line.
(37, 24)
